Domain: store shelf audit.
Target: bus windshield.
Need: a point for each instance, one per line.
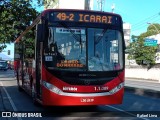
(83, 49)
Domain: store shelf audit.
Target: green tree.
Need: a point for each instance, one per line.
(16, 15)
(142, 53)
(131, 48)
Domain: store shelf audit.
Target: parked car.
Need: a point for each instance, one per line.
(3, 65)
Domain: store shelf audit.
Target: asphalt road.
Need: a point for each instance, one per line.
(144, 84)
(11, 100)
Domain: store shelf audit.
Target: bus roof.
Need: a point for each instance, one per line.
(36, 21)
(78, 10)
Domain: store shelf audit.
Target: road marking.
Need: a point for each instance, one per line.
(126, 112)
(10, 99)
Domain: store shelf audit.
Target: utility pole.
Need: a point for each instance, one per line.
(100, 4)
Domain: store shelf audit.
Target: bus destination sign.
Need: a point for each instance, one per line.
(83, 17)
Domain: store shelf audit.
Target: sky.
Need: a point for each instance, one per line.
(135, 12)
(11, 48)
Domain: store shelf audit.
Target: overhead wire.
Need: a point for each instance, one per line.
(146, 19)
(156, 21)
(144, 22)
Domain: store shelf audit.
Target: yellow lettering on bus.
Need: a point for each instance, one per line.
(65, 61)
(63, 16)
(59, 16)
(81, 17)
(98, 19)
(86, 18)
(78, 65)
(76, 61)
(71, 17)
(104, 19)
(92, 18)
(69, 65)
(65, 65)
(109, 19)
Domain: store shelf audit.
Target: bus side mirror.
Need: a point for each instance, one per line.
(40, 33)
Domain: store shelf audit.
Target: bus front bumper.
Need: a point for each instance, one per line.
(51, 95)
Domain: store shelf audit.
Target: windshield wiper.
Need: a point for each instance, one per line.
(65, 26)
(101, 36)
(73, 34)
(80, 41)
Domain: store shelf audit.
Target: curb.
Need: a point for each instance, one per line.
(142, 79)
(143, 92)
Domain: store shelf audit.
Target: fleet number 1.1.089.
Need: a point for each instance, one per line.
(101, 88)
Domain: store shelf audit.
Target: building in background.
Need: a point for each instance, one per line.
(69, 4)
(127, 33)
(127, 39)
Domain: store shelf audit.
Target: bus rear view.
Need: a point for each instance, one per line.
(79, 58)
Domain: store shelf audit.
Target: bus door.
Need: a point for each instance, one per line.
(20, 74)
(38, 68)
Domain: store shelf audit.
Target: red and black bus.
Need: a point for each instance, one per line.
(72, 57)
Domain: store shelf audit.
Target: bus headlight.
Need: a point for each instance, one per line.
(116, 89)
(51, 87)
